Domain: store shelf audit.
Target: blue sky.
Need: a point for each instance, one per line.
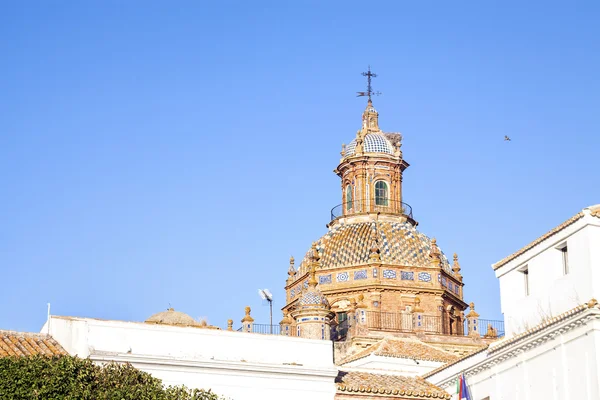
(154, 154)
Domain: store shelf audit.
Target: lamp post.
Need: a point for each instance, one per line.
(265, 294)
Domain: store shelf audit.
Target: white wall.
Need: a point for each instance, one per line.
(235, 364)
(550, 291)
(562, 363)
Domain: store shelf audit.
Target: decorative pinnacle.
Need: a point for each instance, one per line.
(472, 313)
(435, 251)
(315, 257)
(312, 280)
(456, 267)
(229, 324)
(291, 270)
(374, 256)
(247, 317)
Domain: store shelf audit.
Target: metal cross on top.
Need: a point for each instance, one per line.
(369, 91)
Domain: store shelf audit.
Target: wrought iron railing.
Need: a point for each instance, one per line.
(265, 329)
(488, 327)
(373, 205)
(410, 322)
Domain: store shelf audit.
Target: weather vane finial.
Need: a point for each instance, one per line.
(369, 91)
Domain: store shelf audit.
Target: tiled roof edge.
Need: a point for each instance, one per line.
(342, 387)
(593, 303)
(443, 367)
(537, 241)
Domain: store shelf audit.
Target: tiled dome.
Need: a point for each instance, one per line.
(172, 317)
(373, 143)
(313, 297)
(350, 244)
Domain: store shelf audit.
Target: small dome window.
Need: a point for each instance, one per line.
(348, 197)
(381, 193)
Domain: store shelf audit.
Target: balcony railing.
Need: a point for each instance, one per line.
(488, 327)
(402, 322)
(378, 205)
(265, 329)
(408, 322)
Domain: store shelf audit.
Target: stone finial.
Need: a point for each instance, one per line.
(247, 317)
(361, 301)
(472, 313)
(287, 319)
(353, 304)
(435, 255)
(291, 269)
(418, 308)
(343, 152)
(456, 267)
(229, 324)
(312, 280)
(375, 252)
(359, 149)
(314, 253)
(592, 303)
(435, 250)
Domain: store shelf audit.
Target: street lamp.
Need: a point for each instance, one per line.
(265, 294)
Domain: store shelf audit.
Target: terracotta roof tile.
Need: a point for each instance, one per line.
(28, 344)
(443, 367)
(401, 348)
(531, 245)
(394, 385)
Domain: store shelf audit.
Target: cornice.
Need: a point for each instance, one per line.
(241, 365)
(526, 342)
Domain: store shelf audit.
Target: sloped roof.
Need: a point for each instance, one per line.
(403, 348)
(28, 344)
(443, 367)
(394, 385)
(594, 211)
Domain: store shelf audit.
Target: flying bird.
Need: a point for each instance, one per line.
(506, 138)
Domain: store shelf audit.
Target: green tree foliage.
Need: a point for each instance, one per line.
(72, 378)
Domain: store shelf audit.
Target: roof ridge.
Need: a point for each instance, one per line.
(537, 241)
(19, 333)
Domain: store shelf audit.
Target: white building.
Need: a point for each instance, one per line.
(233, 364)
(552, 345)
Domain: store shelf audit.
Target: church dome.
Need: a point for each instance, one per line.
(399, 243)
(172, 317)
(313, 297)
(373, 143)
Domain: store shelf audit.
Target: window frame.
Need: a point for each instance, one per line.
(349, 203)
(525, 271)
(385, 201)
(564, 257)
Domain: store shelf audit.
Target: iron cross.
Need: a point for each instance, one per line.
(369, 91)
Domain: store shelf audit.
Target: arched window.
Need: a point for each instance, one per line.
(348, 197)
(381, 193)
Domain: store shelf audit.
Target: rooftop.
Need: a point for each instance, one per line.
(594, 211)
(403, 348)
(395, 385)
(28, 344)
